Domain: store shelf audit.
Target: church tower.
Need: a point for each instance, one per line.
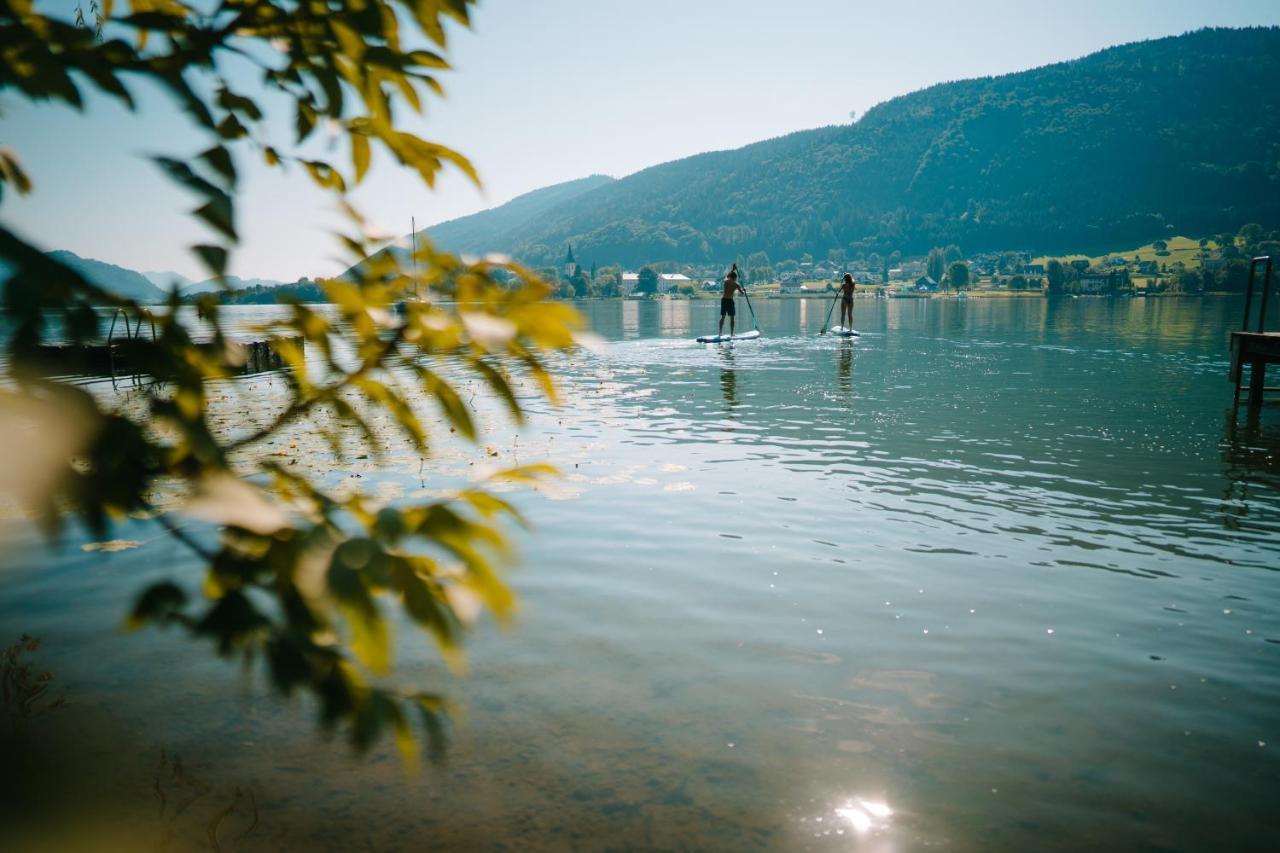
(570, 265)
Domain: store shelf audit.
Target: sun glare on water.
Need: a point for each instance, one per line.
(865, 815)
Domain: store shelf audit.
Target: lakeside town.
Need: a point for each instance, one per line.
(1179, 266)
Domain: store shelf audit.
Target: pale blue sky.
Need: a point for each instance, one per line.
(553, 90)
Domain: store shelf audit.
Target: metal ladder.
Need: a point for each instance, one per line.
(129, 334)
(1248, 294)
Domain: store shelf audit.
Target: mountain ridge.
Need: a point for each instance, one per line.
(1122, 145)
(458, 235)
(116, 279)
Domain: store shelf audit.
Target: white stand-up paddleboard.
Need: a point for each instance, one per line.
(742, 336)
(845, 333)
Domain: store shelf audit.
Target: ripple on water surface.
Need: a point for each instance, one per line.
(992, 576)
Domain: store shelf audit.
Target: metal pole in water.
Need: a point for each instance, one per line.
(413, 241)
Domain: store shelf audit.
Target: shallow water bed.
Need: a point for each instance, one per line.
(994, 575)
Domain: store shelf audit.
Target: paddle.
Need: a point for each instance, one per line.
(754, 321)
(829, 310)
(747, 296)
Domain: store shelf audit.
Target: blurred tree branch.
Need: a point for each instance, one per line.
(299, 578)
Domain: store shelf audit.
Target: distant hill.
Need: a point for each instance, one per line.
(118, 280)
(302, 290)
(1121, 147)
(167, 281)
(473, 234)
(232, 282)
(478, 233)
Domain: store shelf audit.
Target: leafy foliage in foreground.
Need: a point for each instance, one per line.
(298, 578)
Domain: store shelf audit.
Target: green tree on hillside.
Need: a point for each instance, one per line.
(1056, 276)
(935, 264)
(609, 280)
(1233, 277)
(648, 281)
(758, 268)
(958, 275)
(1250, 234)
(299, 578)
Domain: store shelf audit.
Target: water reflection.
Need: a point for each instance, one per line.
(728, 379)
(1251, 469)
(845, 365)
(1045, 423)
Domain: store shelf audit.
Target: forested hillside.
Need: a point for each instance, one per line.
(118, 280)
(474, 233)
(1176, 135)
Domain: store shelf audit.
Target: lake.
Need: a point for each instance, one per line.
(996, 575)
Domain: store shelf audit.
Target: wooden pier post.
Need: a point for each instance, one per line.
(1256, 349)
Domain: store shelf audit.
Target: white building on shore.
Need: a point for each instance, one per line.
(670, 281)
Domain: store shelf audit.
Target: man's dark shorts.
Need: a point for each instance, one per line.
(727, 307)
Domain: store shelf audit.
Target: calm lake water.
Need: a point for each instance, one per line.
(997, 575)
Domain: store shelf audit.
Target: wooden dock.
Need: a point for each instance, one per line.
(1257, 350)
(122, 358)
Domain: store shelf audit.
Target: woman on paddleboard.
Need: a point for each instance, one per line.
(846, 302)
(727, 305)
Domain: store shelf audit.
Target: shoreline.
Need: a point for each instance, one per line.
(950, 295)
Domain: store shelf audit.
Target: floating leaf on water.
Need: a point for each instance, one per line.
(111, 545)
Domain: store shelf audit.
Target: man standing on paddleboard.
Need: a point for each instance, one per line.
(846, 302)
(727, 305)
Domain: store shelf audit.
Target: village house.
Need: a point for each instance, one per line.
(670, 281)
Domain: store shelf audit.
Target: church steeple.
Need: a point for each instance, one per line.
(570, 265)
